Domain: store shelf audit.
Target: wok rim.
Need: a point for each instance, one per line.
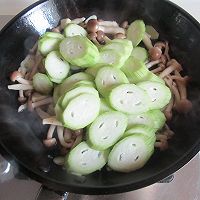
(99, 190)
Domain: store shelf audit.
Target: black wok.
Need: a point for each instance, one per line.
(21, 134)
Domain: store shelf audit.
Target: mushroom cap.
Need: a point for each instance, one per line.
(92, 26)
(155, 53)
(184, 106)
(15, 75)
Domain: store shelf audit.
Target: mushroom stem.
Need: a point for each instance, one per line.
(152, 63)
(50, 142)
(161, 137)
(78, 20)
(77, 141)
(111, 29)
(21, 97)
(160, 68)
(168, 109)
(67, 134)
(169, 70)
(60, 133)
(56, 30)
(42, 114)
(51, 131)
(162, 145)
(20, 87)
(51, 120)
(109, 23)
(147, 41)
(42, 102)
(38, 97)
(166, 52)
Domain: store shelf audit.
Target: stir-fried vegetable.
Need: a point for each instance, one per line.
(106, 96)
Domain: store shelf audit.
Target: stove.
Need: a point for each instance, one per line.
(183, 185)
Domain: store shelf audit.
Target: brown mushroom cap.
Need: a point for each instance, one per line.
(92, 26)
(155, 53)
(15, 75)
(183, 106)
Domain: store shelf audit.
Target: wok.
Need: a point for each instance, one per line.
(21, 133)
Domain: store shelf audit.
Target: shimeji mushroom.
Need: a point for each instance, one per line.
(60, 133)
(51, 120)
(168, 109)
(155, 53)
(184, 105)
(119, 36)
(50, 141)
(94, 25)
(18, 76)
(159, 69)
(36, 104)
(171, 67)
(152, 63)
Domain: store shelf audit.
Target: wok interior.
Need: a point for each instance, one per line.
(21, 134)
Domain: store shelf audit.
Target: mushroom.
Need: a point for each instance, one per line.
(67, 134)
(147, 41)
(77, 141)
(93, 38)
(155, 53)
(168, 132)
(38, 97)
(21, 98)
(56, 30)
(184, 105)
(94, 25)
(78, 132)
(152, 63)
(51, 131)
(78, 20)
(166, 52)
(120, 36)
(42, 114)
(50, 142)
(161, 137)
(51, 120)
(100, 37)
(59, 160)
(60, 133)
(162, 145)
(108, 23)
(172, 85)
(160, 45)
(171, 67)
(159, 69)
(32, 105)
(124, 24)
(20, 87)
(28, 93)
(168, 109)
(18, 76)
